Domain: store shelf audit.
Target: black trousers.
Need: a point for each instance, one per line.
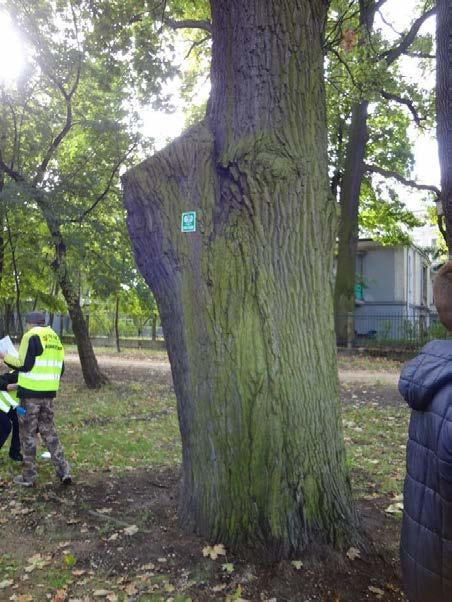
(8, 423)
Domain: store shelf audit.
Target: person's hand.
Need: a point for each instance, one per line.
(11, 387)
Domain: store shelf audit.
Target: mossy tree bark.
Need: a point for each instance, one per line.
(246, 300)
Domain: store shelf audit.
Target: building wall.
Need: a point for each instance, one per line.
(395, 292)
(379, 274)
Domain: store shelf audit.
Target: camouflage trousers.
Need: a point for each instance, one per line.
(39, 417)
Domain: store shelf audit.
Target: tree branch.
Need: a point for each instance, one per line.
(189, 24)
(106, 190)
(174, 24)
(379, 4)
(195, 44)
(396, 176)
(407, 102)
(392, 55)
(349, 71)
(13, 174)
(67, 124)
(420, 55)
(441, 227)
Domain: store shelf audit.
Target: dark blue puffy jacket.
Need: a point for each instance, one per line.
(426, 540)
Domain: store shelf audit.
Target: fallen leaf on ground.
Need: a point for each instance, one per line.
(377, 591)
(131, 530)
(69, 559)
(228, 567)
(394, 508)
(37, 561)
(131, 589)
(214, 551)
(102, 593)
(353, 553)
(297, 564)
(60, 595)
(6, 583)
(219, 588)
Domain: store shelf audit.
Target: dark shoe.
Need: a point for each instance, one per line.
(19, 480)
(16, 456)
(66, 480)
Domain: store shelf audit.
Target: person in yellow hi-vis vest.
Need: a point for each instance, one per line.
(39, 365)
(8, 417)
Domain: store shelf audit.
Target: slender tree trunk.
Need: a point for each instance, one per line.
(344, 291)
(9, 319)
(246, 300)
(154, 327)
(16, 277)
(2, 258)
(92, 375)
(53, 294)
(116, 326)
(444, 108)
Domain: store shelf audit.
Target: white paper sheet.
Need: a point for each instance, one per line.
(6, 346)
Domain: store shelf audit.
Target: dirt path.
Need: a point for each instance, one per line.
(346, 376)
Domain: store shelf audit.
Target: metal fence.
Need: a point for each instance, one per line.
(388, 330)
(401, 331)
(100, 324)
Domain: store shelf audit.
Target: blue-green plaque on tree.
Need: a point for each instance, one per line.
(188, 222)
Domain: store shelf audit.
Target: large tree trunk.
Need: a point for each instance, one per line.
(444, 108)
(246, 300)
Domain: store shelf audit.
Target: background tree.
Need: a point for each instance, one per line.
(372, 68)
(245, 301)
(63, 140)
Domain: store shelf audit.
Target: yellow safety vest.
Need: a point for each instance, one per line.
(45, 374)
(8, 400)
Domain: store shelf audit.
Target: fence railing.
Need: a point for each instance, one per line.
(100, 324)
(388, 330)
(402, 330)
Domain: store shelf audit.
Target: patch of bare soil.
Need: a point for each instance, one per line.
(377, 394)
